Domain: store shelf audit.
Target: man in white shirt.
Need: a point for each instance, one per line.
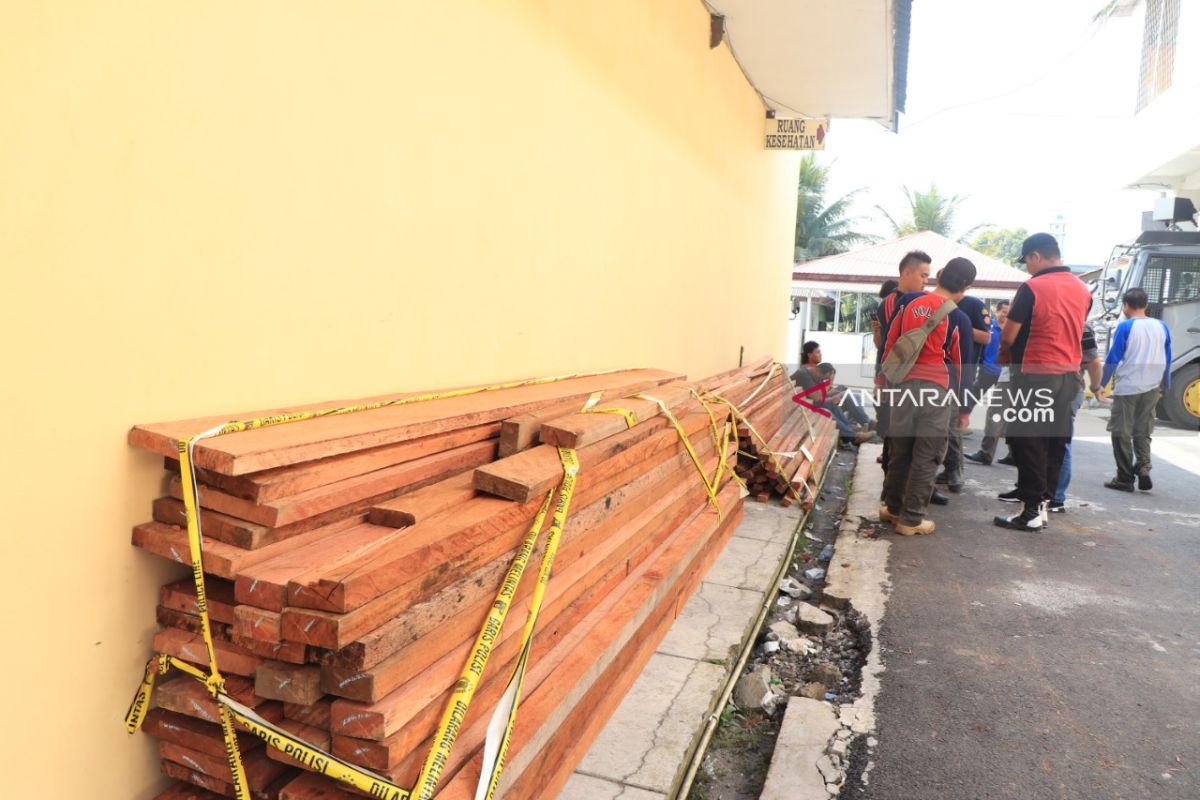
(1139, 360)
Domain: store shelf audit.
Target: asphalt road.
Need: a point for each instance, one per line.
(1060, 665)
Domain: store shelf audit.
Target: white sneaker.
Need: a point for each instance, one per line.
(1030, 519)
(1044, 512)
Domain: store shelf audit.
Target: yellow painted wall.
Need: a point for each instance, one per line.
(214, 207)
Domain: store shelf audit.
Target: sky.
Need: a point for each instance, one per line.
(1022, 106)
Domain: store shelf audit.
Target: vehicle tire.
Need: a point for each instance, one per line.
(1160, 410)
(1182, 402)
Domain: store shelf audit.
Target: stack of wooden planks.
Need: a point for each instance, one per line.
(350, 561)
(783, 457)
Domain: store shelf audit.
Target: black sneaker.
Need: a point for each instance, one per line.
(1009, 497)
(1120, 486)
(1030, 519)
(1007, 460)
(1057, 507)
(938, 499)
(1144, 482)
(979, 457)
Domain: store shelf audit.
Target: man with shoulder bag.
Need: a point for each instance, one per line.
(922, 363)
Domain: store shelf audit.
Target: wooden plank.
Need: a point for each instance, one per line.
(288, 683)
(265, 584)
(170, 618)
(282, 445)
(205, 737)
(181, 773)
(220, 559)
(459, 552)
(398, 568)
(273, 484)
(218, 526)
(232, 659)
(181, 596)
(260, 770)
(714, 383)
(573, 664)
(185, 791)
(545, 774)
(314, 737)
(532, 473)
(355, 581)
(408, 509)
(186, 695)
(443, 629)
(291, 652)
(257, 623)
(580, 430)
(311, 786)
(403, 718)
(436, 624)
(221, 788)
(521, 432)
(349, 494)
(315, 714)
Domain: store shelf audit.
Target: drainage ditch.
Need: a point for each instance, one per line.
(802, 650)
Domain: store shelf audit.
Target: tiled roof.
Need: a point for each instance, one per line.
(876, 263)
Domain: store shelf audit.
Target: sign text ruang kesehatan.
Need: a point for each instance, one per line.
(796, 134)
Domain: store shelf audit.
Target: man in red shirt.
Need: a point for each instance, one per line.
(923, 404)
(1042, 341)
(914, 274)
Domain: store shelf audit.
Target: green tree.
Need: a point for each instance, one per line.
(1002, 244)
(928, 211)
(823, 229)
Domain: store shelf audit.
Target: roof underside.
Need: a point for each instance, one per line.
(815, 58)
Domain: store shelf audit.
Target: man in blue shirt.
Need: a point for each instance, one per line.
(990, 372)
(1139, 359)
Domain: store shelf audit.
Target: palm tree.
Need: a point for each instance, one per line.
(929, 211)
(823, 230)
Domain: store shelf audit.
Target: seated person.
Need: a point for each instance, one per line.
(839, 401)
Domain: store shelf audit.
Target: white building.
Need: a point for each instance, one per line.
(1163, 146)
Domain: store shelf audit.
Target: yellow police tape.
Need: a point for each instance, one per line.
(276, 737)
(710, 484)
(739, 417)
(504, 718)
(590, 408)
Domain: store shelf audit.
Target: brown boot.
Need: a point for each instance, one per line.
(887, 516)
(922, 528)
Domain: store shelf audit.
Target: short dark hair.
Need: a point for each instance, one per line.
(1048, 251)
(1001, 305)
(808, 348)
(1136, 298)
(889, 286)
(957, 275)
(914, 257)
(825, 368)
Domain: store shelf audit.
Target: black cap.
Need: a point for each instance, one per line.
(1039, 241)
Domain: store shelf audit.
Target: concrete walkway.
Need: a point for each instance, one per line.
(640, 753)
